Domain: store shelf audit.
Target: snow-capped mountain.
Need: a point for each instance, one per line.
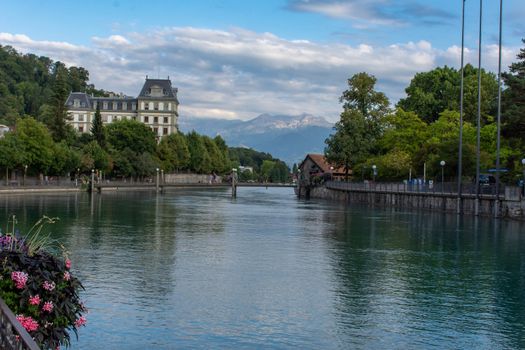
(286, 137)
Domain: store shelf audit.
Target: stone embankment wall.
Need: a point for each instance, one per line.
(512, 206)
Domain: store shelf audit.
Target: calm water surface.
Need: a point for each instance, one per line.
(198, 270)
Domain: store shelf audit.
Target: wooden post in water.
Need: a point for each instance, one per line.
(234, 183)
(157, 181)
(92, 180)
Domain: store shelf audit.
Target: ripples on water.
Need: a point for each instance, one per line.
(196, 269)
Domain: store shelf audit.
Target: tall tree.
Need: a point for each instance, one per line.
(514, 100)
(362, 97)
(97, 129)
(59, 115)
(361, 122)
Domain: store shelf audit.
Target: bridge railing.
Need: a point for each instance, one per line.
(12, 335)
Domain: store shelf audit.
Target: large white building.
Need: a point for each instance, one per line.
(156, 106)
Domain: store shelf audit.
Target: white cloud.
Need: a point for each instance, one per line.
(240, 74)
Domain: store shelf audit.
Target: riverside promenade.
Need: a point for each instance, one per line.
(509, 203)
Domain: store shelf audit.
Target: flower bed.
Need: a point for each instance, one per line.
(39, 288)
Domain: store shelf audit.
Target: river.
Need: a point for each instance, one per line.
(195, 269)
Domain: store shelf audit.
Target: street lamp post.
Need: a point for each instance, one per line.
(374, 172)
(25, 173)
(331, 173)
(442, 163)
(523, 180)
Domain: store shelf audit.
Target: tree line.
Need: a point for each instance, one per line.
(33, 92)
(423, 128)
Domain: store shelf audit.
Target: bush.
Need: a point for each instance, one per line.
(39, 288)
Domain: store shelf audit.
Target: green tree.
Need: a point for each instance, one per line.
(199, 158)
(65, 160)
(95, 157)
(57, 121)
(97, 129)
(514, 101)
(173, 152)
(131, 134)
(225, 164)
(34, 145)
(405, 132)
(361, 124)
(431, 93)
(361, 96)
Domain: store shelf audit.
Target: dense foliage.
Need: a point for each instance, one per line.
(39, 288)
(265, 167)
(424, 129)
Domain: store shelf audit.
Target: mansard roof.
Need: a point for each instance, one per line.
(82, 97)
(167, 91)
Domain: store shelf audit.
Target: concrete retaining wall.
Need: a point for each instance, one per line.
(512, 207)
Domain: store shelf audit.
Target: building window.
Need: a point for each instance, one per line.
(104, 118)
(115, 105)
(104, 105)
(80, 129)
(156, 131)
(165, 131)
(146, 119)
(124, 105)
(169, 106)
(166, 120)
(156, 106)
(134, 118)
(95, 104)
(146, 106)
(76, 103)
(156, 120)
(133, 106)
(81, 118)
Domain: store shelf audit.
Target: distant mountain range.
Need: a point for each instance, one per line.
(286, 137)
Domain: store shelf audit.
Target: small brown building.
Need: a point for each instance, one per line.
(315, 169)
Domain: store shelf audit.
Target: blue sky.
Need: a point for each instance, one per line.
(237, 59)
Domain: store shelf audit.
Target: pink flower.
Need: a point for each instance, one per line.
(48, 306)
(48, 285)
(34, 300)
(20, 279)
(27, 322)
(68, 264)
(81, 321)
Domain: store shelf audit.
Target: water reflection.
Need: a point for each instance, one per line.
(422, 280)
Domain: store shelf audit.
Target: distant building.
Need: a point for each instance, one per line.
(156, 106)
(3, 130)
(243, 169)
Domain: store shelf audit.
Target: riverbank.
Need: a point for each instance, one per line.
(510, 204)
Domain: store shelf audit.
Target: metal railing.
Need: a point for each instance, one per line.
(12, 335)
(447, 188)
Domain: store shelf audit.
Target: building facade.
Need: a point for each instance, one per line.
(156, 106)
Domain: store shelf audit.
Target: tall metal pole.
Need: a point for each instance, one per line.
(460, 156)
(496, 212)
(479, 110)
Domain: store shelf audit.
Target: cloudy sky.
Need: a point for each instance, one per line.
(237, 59)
